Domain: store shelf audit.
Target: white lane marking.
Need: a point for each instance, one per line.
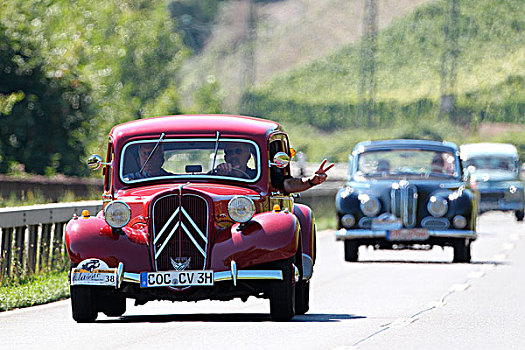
(458, 287)
(499, 257)
(35, 308)
(508, 246)
(476, 274)
(435, 304)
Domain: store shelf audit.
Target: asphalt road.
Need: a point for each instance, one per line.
(387, 300)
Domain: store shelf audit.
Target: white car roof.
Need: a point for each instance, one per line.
(487, 148)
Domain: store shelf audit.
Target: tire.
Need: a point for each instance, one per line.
(302, 297)
(519, 215)
(83, 304)
(351, 251)
(462, 251)
(282, 293)
(115, 306)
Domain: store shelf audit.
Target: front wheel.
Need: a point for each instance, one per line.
(519, 215)
(282, 294)
(462, 251)
(351, 251)
(83, 304)
(302, 297)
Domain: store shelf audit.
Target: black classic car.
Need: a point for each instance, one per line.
(406, 194)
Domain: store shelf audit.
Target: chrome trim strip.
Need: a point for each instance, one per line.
(166, 225)
(249, 275)
(344, 234)
(233, 269)
(193, 240)
(194, 225)
(166, 240)
(131, 277)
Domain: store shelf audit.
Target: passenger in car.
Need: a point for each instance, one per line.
(152, 167)
(437, 165)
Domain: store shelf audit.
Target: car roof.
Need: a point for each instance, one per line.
(443, 146)
(487, 148)
(202, 125)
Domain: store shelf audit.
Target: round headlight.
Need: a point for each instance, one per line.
(348, 221)
(117, 214)
(370, 205)
(437, 206)
(459, 221)
(241, 208)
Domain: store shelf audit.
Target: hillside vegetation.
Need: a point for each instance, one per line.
(490, 72)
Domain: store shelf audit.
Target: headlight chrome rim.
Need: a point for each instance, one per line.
(348, 221)
(241, 209)
(369, 205)
(437, 206)
(459, 221)
(115, 219)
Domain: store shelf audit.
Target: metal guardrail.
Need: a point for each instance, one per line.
(32, 237)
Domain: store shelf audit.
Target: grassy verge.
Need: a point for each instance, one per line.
(33, 290)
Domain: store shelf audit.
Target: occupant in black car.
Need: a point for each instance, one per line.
(438, 163)
(153, 167)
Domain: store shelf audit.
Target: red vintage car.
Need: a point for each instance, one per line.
(193, 228)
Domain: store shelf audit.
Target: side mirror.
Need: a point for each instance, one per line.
(95, 162)
(281, 160)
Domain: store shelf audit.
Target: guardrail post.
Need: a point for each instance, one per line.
(32, 248)
(7, 242)
(45, 239)
(19, 250)
(58, 234)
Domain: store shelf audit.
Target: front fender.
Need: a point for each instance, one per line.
(270, 236)
(306, 218)
(92, 237)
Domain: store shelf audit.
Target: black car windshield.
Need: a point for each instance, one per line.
(490, 164)
(236, 159)
(407, 163)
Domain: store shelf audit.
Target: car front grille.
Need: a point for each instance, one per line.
(403, 201)
(180, 232)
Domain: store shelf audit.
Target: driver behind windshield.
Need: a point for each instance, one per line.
(236, 156)
(153, 167)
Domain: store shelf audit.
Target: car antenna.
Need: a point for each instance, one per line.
(216, 149)
(151, 153)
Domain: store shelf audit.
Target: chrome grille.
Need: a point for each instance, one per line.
(180, 232)
(403, 201)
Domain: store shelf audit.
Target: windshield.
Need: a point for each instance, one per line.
(491, 163)
(406, 164)
(190, 158)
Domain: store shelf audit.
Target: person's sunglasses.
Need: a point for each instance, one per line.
(231, 151)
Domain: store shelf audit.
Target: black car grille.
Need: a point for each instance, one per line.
(491, 196)
(403, 201)
(180, 233)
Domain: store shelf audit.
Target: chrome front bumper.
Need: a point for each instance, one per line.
(344, 234)
(232, 275)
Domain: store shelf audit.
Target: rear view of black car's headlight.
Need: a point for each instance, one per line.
(437, 206)
(117, 214)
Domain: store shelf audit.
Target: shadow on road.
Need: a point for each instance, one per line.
(487, 262)
(235, 317)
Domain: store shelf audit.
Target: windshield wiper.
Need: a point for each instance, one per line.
(151, 153)
(216, 149)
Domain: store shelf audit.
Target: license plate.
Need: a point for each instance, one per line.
(100, 277)
(176, 278)
(408, 234)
